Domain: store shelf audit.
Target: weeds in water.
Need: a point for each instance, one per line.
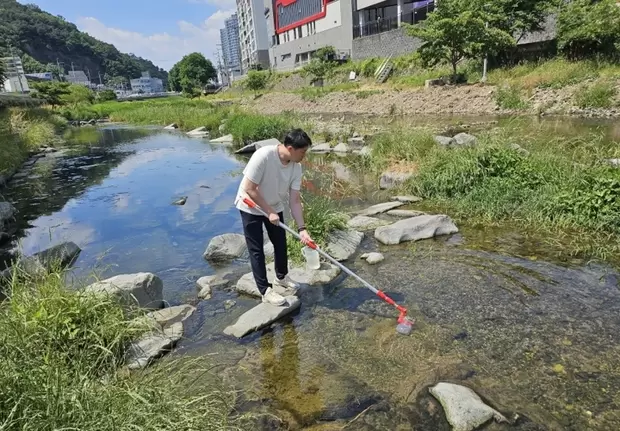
(598, 95)
(61, 356)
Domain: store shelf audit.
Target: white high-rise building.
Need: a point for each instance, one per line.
(15, 78)
(231, 50)
(253, 38)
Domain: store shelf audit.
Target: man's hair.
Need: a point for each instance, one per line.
(297, 139)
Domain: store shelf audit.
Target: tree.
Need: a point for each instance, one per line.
(455, 32)
(256, 80)
(51, 92)
(193, 72)
(106, 95)
(78, 94)
(321, 64)
(589, 28)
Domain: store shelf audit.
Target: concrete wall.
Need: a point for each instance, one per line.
(396, 42)
(340, 37)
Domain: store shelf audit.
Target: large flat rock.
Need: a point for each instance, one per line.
(464, 409)
(250, 148)
(142, 289)
(362, 222)
(415, 229)
(342, 244)
(405, 213)
(261, 316)
(380, 208)
(305, 277)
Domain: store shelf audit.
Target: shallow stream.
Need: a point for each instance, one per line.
(533, 337)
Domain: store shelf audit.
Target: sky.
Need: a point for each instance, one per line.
(160, 31)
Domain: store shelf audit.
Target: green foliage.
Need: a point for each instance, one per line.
(2, 72)
(256, 80)
(598, 95)
(589, 28)
(106, 96)
(509, 97)
(247, 127)
(322, 215)
(321, 64)
(61, 362)
(78, 94)
(408, 146)
(457, 31)
(191, 74)
(52, 92)
(47, 39)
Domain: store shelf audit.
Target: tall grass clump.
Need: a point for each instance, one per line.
(23, 130)
(401, 147)
(597, 95)
(510, 97)
(248, 127)
(322, 215)
(61, 357)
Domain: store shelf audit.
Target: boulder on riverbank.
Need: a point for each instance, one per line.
(54, 258)
(142, 289)
(415, 229)
(464, 409)
(390, 180)
(261, 316)
(225, 247)
(167, 329)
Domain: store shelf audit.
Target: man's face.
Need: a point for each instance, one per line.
(297, 155)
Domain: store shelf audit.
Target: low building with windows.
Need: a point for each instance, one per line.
(146, 84)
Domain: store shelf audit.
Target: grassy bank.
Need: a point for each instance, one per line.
(562, 186)
(26, 129)
(61, 356)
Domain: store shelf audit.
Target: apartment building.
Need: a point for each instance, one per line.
(146, 84)
(15, 79)
(303, 26)
(253, 39)
(231, 50)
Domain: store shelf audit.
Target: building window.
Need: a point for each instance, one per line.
(299, 36)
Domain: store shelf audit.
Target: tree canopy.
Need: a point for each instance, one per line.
(192, 73)
(45, 41)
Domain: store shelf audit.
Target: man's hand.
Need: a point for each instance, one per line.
(274, 218)
(305, 237)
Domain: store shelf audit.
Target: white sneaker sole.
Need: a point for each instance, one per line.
(271, 303)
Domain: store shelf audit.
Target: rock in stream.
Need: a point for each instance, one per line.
(415, 229)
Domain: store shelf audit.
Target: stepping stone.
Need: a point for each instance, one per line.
(464, 409)
(200, 132)
(250, 148)
(226, 139)
(380, 208)
(366, 223)
(321, 148)
(341, 244)
(341, 148)
(405, 213)
(261, 316)
(409, 199)
(415, 229)
(305, 277)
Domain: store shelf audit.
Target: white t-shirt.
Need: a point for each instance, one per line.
(274, 179)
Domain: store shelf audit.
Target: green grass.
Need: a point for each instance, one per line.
(248, 127)
(600, 94)
(510, 97)
(23, 130)
(562, 186)
(61, 367)
(321, 215)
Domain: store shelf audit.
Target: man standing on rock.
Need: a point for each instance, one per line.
(273, 174)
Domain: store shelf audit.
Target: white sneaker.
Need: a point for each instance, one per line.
(289, 286)
(274, 298)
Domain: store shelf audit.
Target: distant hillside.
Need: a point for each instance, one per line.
(47, 40)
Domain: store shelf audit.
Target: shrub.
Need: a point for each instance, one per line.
(246, 128)
(597, 95)
(509, 97)
(256, 80)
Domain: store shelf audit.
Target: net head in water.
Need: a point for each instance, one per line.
(405, 326)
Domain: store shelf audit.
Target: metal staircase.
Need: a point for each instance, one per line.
(384, 70)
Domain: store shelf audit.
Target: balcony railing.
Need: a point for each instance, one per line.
(391, 23)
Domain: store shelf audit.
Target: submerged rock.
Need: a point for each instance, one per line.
(366, 223)
(380, 208)
(180, 201)
(209, 282)
(415, 229)
(143, 289)
(309, 277)
(464, 409)
(389, 180)
(260, 316)
(225, 247)
(373, 258)
(341, 244)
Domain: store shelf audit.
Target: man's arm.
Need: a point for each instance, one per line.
(296, 209)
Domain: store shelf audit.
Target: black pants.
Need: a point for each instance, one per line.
(253, 230)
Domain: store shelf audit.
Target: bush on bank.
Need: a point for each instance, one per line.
(61, 357)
